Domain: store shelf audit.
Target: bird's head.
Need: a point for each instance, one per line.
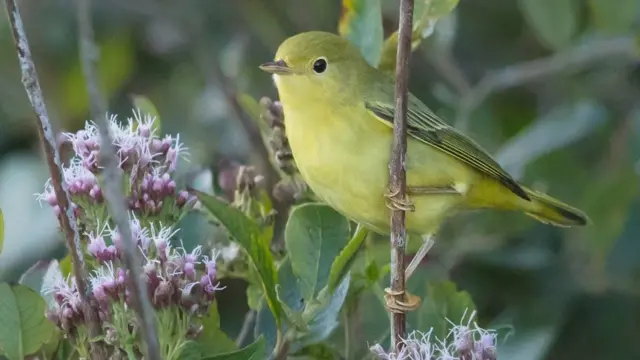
(316, 64)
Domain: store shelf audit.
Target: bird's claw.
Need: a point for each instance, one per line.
(408, 303)
(395, 203)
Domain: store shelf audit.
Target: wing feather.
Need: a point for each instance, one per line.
(426, 126)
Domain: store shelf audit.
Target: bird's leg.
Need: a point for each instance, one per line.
(427, 244)
(394, 203)
(409, 301)
(432, 190)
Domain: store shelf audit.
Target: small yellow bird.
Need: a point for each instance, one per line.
(338, 113)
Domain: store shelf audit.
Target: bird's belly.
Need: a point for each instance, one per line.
(349, 171)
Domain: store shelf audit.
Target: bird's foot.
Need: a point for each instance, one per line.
(408, 303)
(394, 202)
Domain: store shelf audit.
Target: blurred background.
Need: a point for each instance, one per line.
(551, 87)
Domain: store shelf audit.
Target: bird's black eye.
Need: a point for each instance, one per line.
(320, 66)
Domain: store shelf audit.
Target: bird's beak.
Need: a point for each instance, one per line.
(276, 67)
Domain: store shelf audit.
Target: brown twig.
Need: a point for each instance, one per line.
(397, 172)
(112, 182)
(49, 145)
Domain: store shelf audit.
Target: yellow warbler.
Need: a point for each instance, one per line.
(338, 113)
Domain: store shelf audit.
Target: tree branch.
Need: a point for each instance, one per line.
(112, 182)
(47, 138)
(571, 60)
(397, 172)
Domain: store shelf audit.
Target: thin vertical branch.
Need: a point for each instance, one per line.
(50, 147)
(112, 182)
(397, 172)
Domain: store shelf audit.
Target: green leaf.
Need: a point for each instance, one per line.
(191, 351)
(426, 14)
(443, 303)
(555, 22)
(320, 351)
(249, 235)
(146, 107)
(361, 23)
(294, 316)
(212, 340)
(325, 319)
(254, 351)
(314, 236)
(345, 259)
(1, 231)
(614, 17)
(23, 325)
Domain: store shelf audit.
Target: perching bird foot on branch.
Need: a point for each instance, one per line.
(409, 302)
(394, 202)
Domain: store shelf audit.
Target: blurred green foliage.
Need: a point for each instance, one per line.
(550, 87)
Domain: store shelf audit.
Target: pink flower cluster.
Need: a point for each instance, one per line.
(148, 163)
(464, 341)
(175, 278)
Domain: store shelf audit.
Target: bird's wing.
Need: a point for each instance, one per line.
(424, 125)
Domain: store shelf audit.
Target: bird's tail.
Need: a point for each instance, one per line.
(548, 210)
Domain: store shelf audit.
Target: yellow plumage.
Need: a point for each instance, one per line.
(338, 119)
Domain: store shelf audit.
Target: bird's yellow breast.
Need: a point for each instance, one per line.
(342, 152)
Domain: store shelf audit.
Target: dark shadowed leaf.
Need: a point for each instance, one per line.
(254, 351)
(314, 236)
(249, 235)
(441, 304)
(426, 14)
(212, 340)
(289, 295)
(613, 17)
(344, 261)
(23, 325)
(554, 22)
(361, 23)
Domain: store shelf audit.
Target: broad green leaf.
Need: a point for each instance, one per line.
(254, 351)
(23, 325)
(345, 259)
(147, 107)
(442, 306)
(361, 23)
(249, 235)
(426, 14)
(212, 340)
(1, 231)
(294, 316)
(554, 22)
(325, 319)
(314, 236)
(191, 351)
(614, 17)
